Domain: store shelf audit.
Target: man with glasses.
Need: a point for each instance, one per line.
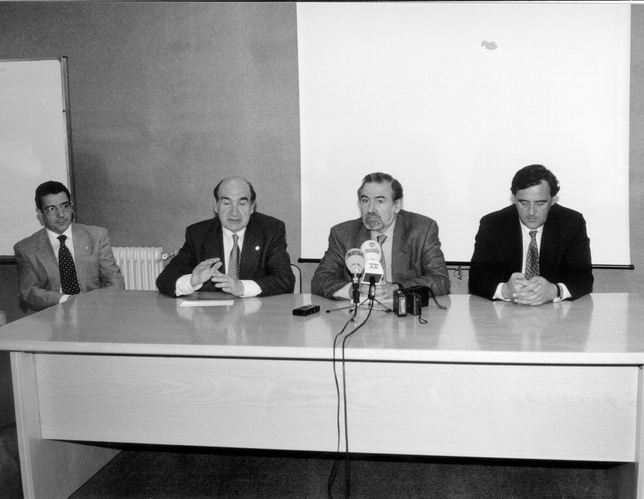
(63, 258)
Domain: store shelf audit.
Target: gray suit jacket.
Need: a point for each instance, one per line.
(38, 265)
(417, 258)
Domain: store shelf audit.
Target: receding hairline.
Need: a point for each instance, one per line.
(226, 180)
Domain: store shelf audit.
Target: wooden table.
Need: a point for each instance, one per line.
(480, 379)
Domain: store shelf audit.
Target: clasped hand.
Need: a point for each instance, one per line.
(209, 270)
(535, 291)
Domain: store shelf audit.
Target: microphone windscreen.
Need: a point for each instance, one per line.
(354, 260)
(371, 250)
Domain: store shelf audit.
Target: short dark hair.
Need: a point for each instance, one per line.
(50, 187)
(532, 175)
(380, 178)
(253, 196)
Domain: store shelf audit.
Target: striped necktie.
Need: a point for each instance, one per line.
(383, 261)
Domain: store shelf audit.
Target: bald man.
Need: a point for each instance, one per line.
(239, 251)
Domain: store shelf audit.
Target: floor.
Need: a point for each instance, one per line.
(174, 472)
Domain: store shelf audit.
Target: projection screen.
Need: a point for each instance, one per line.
(452, 99)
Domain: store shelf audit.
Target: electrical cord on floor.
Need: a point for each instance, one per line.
(337, 415)
(343, 397)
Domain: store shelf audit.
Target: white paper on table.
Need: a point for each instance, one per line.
(205, 303)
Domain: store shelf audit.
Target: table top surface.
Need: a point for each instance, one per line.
(595, 329)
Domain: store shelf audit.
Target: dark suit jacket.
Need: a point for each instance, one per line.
(417, 259)
(263, 258)
(564, 255)
(38, 265)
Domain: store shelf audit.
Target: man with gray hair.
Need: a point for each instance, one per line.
(409, 241)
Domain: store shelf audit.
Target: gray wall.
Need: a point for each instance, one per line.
(168, 98)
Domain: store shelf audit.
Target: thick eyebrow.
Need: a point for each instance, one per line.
(522, 200)
(231, 199)
(364, 196)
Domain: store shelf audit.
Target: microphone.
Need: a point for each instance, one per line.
(371, 294)
(355, 261)
(373, 268)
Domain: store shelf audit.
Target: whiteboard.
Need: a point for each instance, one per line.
(34, 144)
(453, 99)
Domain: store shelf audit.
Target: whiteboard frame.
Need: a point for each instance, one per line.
(69, 177)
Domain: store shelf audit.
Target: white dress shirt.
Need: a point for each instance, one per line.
(525, 234)
(251, 288)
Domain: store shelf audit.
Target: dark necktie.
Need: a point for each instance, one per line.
(532, 258)
(233, 261)
(381, 240)
(68, 278)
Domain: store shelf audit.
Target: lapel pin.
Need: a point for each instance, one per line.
(256, 248)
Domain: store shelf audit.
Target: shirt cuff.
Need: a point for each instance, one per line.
(251, 288)
(565, 294)
(183, 286)
(344, 293)
(498, 295)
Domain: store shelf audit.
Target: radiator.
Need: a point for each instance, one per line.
(139, 266)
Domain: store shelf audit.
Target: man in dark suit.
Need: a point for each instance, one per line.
(251, 247)
(92, 263)
(534, 251)
(412, 250)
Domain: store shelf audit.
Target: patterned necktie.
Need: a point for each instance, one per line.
(381, 240)
(68, 278)
(233, 261)
(532, 258)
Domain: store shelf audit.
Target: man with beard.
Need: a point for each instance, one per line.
(411, 249)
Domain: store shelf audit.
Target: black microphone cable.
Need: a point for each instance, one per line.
(343, 397)
(337, 414)
(442, 307)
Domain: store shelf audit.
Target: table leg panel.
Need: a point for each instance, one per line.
(50, 469)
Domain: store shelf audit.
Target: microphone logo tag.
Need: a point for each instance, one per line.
(371, 250)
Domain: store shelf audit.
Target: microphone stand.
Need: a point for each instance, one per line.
(371, 296)
(355, 290)
(355, 296)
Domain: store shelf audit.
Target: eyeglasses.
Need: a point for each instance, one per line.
(64, 207)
